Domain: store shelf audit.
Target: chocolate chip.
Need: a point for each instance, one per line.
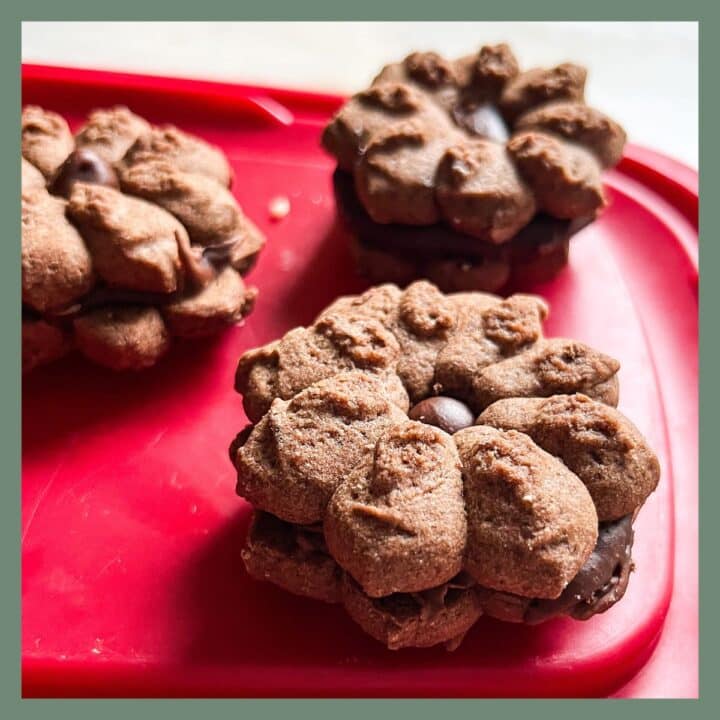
(82, 166)
(446, 413)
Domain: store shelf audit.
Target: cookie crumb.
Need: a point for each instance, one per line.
(279, 207)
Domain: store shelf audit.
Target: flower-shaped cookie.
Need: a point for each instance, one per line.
(492, 168)
(426, 458)
(130, 236)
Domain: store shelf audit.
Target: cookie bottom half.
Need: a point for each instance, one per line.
(296, 558)
(455, 262)
(130, 330)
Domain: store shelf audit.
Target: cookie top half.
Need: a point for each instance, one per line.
(475, 143)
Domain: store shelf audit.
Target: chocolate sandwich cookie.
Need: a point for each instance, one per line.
(130, 237)
(456, 460)
(469, 173)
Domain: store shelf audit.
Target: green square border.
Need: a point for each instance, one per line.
(13, 13)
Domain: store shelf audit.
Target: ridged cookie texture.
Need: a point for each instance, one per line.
(426, 458)
(130, 237)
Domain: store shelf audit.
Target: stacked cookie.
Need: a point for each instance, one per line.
(130, 237)
(469, 172)
(426, 458)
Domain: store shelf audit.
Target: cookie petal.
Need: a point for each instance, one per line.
(531, 522)
(597, 442)
(397, 524)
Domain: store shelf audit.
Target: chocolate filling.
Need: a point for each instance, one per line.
(542, 236)
(598, 585)
(435, 600)
(198, 268)
(426, 604)
(290, 539)
(201, 265)
(82, 165)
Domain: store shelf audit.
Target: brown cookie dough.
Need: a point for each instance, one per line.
(111, 132)
(438, 615)
(395, 177)
(293, 557)
(185, 152)
(57, 268)
(31, 177)
(432, 514)
(580, 124)
(539, 86)
(550, 367)
(419, 318)
(424, 320)
(45, 139)
(397, 522)
(484, 75)
(124, 218)
(292, 474)
(599, 584)
(42, 343)
(335, 343)
(368, 113)
(224, 301)
(429, 72)
(207, 209)
(486, 333)
(531, 522)
(256, 377)
(123, 337)
(134, 244)
(601, 446)
(480, 192)
(436, 165)
(565, 178)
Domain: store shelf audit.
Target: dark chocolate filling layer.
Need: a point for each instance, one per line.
(439, 241)
(201, 267)
(599, 584)
(427, 604)
(290, 539)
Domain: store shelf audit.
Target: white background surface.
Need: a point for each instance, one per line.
(643, 74)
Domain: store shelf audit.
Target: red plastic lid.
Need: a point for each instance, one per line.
(132, 580)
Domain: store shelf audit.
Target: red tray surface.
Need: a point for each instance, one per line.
(132, 582)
